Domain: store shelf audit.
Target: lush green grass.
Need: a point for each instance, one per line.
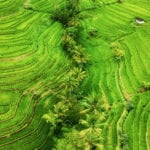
(33, 65)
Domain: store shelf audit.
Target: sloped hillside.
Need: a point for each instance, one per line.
(34, 68)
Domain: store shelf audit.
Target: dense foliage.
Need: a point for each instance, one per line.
(73, 115)
(74, 75)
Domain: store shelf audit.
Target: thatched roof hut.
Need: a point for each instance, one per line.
(139, 20)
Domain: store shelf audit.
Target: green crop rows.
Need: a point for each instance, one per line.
(80, 82)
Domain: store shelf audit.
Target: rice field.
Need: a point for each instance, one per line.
(33, 66)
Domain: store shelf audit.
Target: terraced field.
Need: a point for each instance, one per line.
(33, 66)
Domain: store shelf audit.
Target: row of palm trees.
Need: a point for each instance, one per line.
(74, 50)
(75, 120)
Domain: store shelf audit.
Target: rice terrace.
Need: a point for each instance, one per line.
(74, 74)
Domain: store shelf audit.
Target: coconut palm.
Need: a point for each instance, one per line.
(55, 115)
(77, 73)
(75, 76)
(78, 55)
(92, 102)
(91, 133)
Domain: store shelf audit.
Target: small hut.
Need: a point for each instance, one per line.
(139, 20)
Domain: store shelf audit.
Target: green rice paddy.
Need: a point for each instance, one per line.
(33, 66)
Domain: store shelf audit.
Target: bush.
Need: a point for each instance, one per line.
(93, 32)
(145, 87)
(64, 15)
(129, 106)
(123, 140)
(114, 45)
(118, 54)
(61, 15)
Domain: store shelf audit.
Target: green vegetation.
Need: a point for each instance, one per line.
(74, 75)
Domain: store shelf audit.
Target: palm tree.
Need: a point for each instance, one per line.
(92, 129)
(78, 55)
(68, 42)
(92, 102)
(74, 5)
(77, 73)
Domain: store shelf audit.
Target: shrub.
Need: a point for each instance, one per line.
(61, 15)
(129, 106)
(64, 15)
(114, 45)
(145, 87)
(118, 54)
(123, 140)
(93, 32)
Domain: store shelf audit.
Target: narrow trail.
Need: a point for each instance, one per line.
(124, 114)
(126, 96)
